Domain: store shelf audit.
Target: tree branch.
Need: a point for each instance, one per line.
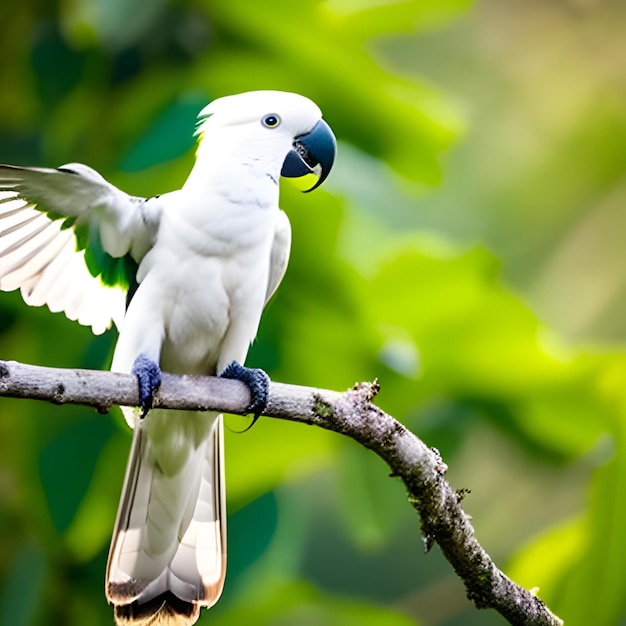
(352, 413)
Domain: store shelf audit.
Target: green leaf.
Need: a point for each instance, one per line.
(598, 573)
(91, 526)
(548, 558)
(170, 135)
(272, 603)
(22, 589)
(67, 463)
(372, 503)
(272, 451)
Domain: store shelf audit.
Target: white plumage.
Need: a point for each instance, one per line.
(204, 260)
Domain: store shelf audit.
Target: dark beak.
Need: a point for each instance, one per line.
(312, 153)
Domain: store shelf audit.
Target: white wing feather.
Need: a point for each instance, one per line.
(42, 259)
(279, 256)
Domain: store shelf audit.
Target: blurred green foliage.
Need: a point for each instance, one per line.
(467, 251)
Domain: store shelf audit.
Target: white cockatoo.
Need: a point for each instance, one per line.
(184, 276)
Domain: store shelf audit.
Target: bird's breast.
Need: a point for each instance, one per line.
(209, 275)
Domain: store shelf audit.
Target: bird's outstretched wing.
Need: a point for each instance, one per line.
(71, 240)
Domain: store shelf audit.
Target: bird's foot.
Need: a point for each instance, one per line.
(148, 375)
(257, 381)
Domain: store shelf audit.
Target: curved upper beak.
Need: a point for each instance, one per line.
(312, 153)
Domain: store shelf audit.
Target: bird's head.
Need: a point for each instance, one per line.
(285, 130)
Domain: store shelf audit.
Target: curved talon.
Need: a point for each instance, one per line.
(148, 375)
(257, 381)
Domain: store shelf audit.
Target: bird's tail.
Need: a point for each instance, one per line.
(168, 553)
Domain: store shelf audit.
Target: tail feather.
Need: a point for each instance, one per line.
(164, 610)
(168, 554)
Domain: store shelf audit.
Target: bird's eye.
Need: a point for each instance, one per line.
(271, 121)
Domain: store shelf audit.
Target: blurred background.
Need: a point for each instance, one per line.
(467, 250)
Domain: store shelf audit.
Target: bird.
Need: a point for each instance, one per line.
(184, 276)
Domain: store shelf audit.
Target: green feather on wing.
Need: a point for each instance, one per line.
(113, 272)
